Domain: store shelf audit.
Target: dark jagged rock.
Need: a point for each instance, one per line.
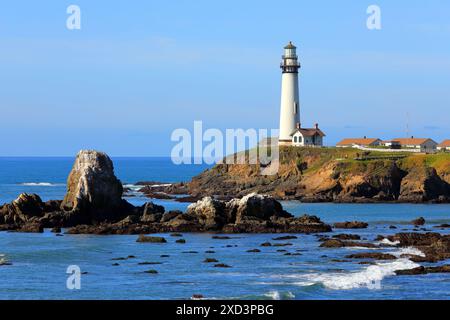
(347, 237)
(351, 225)
(151, 271)
(336, 243)
(26, 208)
(221, 237)
(443, 226)
(32, 227)
(418, 222)
(143, 238)
(372, 255)
(436, 247)
(210, 260)
(152, 212)
(170, 215)
(285, 238)
(222, 265)
(423, 270)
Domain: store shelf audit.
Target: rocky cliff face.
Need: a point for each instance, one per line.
(333, 175)
(93, 189)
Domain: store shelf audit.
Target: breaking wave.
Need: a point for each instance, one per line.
(40, 184)
(370, 277)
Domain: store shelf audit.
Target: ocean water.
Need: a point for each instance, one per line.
(39, 262)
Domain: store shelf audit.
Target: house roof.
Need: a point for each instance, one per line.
(445, 144)
(360, 141)
(309, 132)
(413, 141)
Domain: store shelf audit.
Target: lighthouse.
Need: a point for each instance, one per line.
(290, 102)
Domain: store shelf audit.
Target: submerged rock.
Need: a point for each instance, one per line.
(347, 237)
(372, 255)
(143, 238)
(351, 225)
(418, 222)
(336, 243)
(222, 265)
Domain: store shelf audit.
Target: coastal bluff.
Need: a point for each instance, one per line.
(334, 175)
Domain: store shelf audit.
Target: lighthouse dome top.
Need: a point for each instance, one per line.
(290, 45)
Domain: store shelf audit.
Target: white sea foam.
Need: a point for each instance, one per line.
(276, 295)
(369, 277)
(389, 242)
(408, 251)
(39, 184)
(132, 186)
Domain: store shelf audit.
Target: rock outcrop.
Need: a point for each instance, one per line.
(434, 246)
(251, 214)
(93, 191)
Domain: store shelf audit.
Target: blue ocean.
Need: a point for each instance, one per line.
(113, 267)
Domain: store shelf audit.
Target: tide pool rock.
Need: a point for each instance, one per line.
(26, 208)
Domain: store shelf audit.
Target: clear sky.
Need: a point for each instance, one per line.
(139, 69)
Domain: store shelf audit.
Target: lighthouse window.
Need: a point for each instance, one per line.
(295, 107)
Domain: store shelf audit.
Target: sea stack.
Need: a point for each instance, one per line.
(92, 188)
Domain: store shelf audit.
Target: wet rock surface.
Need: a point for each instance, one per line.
(336, 243)
(351, 225)
(372, 255)
(423, 270)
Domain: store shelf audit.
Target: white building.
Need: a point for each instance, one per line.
(393, 144)
(424, 144)
(364, 142)
(290, 131)
(444, 146)
(307, 137)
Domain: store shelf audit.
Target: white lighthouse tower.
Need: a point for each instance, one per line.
(290, 102)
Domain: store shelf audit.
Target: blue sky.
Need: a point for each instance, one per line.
(139, 69)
